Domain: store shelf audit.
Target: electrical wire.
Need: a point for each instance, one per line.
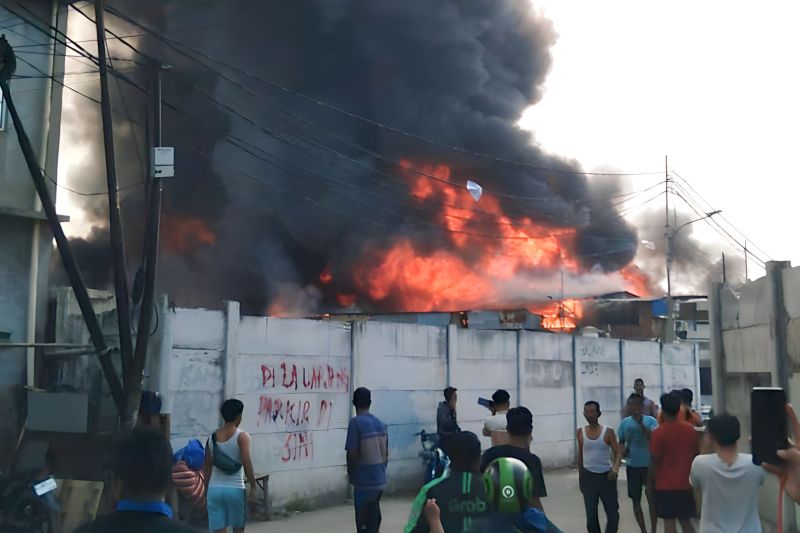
(722, 217)
(175, 44)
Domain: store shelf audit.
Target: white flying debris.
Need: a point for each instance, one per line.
(649, 245)
(475, 190)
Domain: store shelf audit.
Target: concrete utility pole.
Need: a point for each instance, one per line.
(669, 330)
(134, 387)
(115, 224)
(7, 66)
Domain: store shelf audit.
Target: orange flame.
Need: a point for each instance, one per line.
(325, 277)
(559, 316)
(636, 281)
(185, 235)
(488, 248)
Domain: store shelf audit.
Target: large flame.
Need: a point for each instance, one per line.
(184, 235)
(487, 248)
(559, 316)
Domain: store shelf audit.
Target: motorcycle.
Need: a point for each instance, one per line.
(28, 503)
(436, 461)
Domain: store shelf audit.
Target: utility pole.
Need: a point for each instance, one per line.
(746, 277)
(134, 387)
(724, 273)
(7, 65)
(668, 328)
(115, 224)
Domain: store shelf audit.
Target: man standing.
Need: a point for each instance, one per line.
(446, 423)
(729, 481)
(460, 494)
(649, 407)
(634, 439)
(495, 425)
(520, 436)
(227, 462)
(367, 448)
(142, 465)
(597, 472)
(673, 447)
(686, 413)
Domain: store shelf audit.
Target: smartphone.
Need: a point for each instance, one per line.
(484, 402)
(769, 424)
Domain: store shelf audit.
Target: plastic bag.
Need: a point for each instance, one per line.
(193, 454)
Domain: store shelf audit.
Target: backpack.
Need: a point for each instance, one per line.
(222, 460)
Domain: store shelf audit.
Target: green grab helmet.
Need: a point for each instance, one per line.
(509, 485)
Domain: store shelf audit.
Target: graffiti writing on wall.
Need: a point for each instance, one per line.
(299, 446)
(287, 413)
(314, 377)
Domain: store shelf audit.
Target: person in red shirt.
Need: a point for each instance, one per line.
(673, 447)
(686, 412)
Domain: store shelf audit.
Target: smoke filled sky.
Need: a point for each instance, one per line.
(712, 84)
(289, 206)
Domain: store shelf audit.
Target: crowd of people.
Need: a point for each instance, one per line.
(497, 490)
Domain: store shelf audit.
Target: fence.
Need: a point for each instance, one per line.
(296, 378)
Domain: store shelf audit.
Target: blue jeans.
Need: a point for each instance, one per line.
(368, 509)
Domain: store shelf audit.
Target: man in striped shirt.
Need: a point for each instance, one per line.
(459, 494)
(367, 448)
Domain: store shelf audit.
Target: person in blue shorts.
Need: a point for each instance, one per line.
(227, 461)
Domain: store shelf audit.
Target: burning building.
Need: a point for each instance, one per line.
(322, 155)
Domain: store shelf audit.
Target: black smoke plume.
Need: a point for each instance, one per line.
(291, 187)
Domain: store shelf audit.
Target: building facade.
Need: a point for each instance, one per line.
(25, 238)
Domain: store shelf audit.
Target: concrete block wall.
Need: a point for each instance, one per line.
(405, 367)
(296, 379)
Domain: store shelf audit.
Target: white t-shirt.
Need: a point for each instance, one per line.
(730, 493)
(496, 425)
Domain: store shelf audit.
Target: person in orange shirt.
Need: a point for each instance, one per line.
(686, 412)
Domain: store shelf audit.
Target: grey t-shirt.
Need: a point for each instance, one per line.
(730, 493)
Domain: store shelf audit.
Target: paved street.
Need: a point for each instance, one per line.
(563, 505)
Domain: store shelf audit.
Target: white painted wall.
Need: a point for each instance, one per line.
(296, 378)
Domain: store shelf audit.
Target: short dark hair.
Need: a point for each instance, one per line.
(724, 429)
(362, 398)
(636, 397)
(142, 460)
(448, 393)
(592, 402)
(638, 380)
(519, 421)
(231, 409)
(465, 451)
(671, 403)
(501, 397)
(687, 396)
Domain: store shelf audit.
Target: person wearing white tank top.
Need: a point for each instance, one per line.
(227, 463)
(599, 460)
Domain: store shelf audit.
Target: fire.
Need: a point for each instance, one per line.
(560, 316)
(346, 299)
(325, 277)
(185, 235)
(487, 248)
(636, 281)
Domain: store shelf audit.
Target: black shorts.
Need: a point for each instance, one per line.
(674, 504)
(637, 480)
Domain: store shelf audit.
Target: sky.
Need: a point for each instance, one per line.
(713, 85)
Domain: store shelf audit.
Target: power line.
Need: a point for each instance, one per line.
(495, 158)
(721, 231)
(744, 237)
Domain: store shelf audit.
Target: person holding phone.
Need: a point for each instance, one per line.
(728, 481)
(634, 439)
(791, 457)
(495, 426)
